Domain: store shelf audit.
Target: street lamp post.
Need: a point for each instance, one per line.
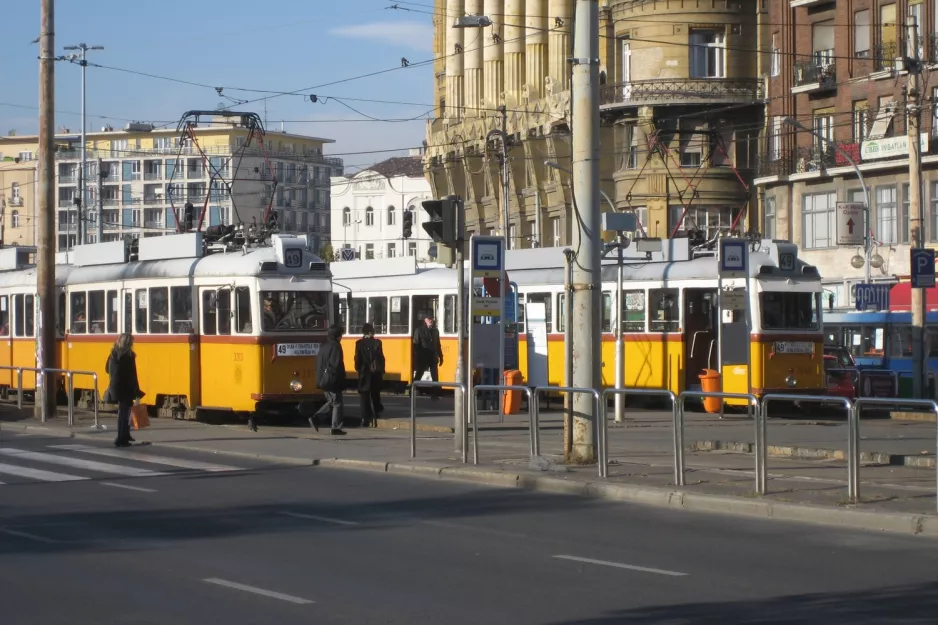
(82, 184)
(867, 247)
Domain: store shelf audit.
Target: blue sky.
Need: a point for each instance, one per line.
(276, 45)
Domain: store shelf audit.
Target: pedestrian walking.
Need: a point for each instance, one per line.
(428, 353)
(369, 363)
(330, 377)
(123, 387)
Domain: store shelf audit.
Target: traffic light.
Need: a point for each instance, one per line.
(445, 221)
(408, 224)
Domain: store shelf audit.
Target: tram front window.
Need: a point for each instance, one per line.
(289, 311)
(790, 311)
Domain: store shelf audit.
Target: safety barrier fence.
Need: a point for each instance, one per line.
(759, 409)
(69, 389)
(418, 384)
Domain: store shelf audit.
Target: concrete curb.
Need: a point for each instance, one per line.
(784, 451)
(404, 424)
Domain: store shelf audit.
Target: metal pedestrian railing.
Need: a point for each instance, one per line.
(648, 392)
(70, 387)
(533, 423)
(753, 402)
(600, 419)
(854, 434)
(417, 384)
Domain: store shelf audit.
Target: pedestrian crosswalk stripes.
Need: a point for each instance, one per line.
(33, 466)
(179, 463)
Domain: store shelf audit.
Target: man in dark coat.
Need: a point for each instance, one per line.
(369, 363)
(123, 387)
(428, 353)
(330, 377)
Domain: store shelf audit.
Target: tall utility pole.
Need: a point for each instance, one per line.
(83, 174)
(587, 243)
(45, 261)
(916, 210)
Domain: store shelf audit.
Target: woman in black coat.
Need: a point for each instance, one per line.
(369, 363)
(123, 387)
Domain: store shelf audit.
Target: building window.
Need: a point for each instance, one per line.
(904, 216)
(886, 215)
(934, 99)
(861, 115)
(824, 130)
(861, 34)
(369, 216)
(768, 219)
(556, 231)
(822, 35)
(775, 149)
(392, 216)
(888, 31)
(933, 215)
(392, 250)
(346, 216)
(411, 248)
(15, 194)
(818, 215)
(776, 56)
(693, 139)
(707, 54)
(369, 251)
(707, 219)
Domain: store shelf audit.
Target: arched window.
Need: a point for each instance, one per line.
(392, 216)
(369, 216)
(15, 219)
(346, 216)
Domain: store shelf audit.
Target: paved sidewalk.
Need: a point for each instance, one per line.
(641, 456)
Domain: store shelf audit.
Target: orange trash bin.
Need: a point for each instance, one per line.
(710, 382)
(511, 400)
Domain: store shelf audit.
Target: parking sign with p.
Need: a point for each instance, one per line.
(923, 268)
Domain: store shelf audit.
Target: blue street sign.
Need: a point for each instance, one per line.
(875, 296)
(348, 253)
(923, 268)
(488, 256)
(734, 258)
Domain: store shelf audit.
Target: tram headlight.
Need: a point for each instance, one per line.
(791, 381)
(296, 386)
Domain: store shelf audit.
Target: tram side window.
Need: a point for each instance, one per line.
(899, 342)
(79, 313)
(18, 320)
(141, 325)
(112, 312)
(521, 301)
(96, 312)
(223, 304)
(342, 316)
(607, 312)
(542, 298)
(4, 316)
(24, 322)
(633, 311)
(356, 315)
(400, 315)
(209, 313)
(449, 314)
(665, 313)
(931, 345)
(243, 323)
(181, 298)
(159, 310)
(378, 314)
(60, 314)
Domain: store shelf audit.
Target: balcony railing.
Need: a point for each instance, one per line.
(68, 178)
(884, 56)
(152, 175)
(819, 71)
(681, 90)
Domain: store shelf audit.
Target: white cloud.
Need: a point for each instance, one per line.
(415, 35)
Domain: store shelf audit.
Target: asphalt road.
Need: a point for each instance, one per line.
(209, 539)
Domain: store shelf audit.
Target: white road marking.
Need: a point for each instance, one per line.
(128, 487)
(77, 463)
(257, 591)
(619, 565)
(324, 519)
(150, 458)
(35, 537)
(38, 474)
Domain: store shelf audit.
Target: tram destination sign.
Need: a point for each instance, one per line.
(297, 349)
(794, 347)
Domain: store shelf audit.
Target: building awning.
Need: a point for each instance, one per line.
(882, 121)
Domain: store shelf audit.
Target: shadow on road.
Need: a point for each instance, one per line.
(905, 605)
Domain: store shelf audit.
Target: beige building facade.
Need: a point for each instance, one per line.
(18, 198)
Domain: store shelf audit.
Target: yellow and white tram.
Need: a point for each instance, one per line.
(671, 321)
(216, 328)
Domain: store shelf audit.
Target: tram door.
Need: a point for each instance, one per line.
(422, 306)
(701, 333)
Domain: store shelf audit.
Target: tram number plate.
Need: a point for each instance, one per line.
(794, 347)
(298, 349)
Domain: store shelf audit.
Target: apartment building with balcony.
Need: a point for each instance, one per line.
(370, 208)
(837, 68)
(18, 200)
(145, 172)
(686, 101)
